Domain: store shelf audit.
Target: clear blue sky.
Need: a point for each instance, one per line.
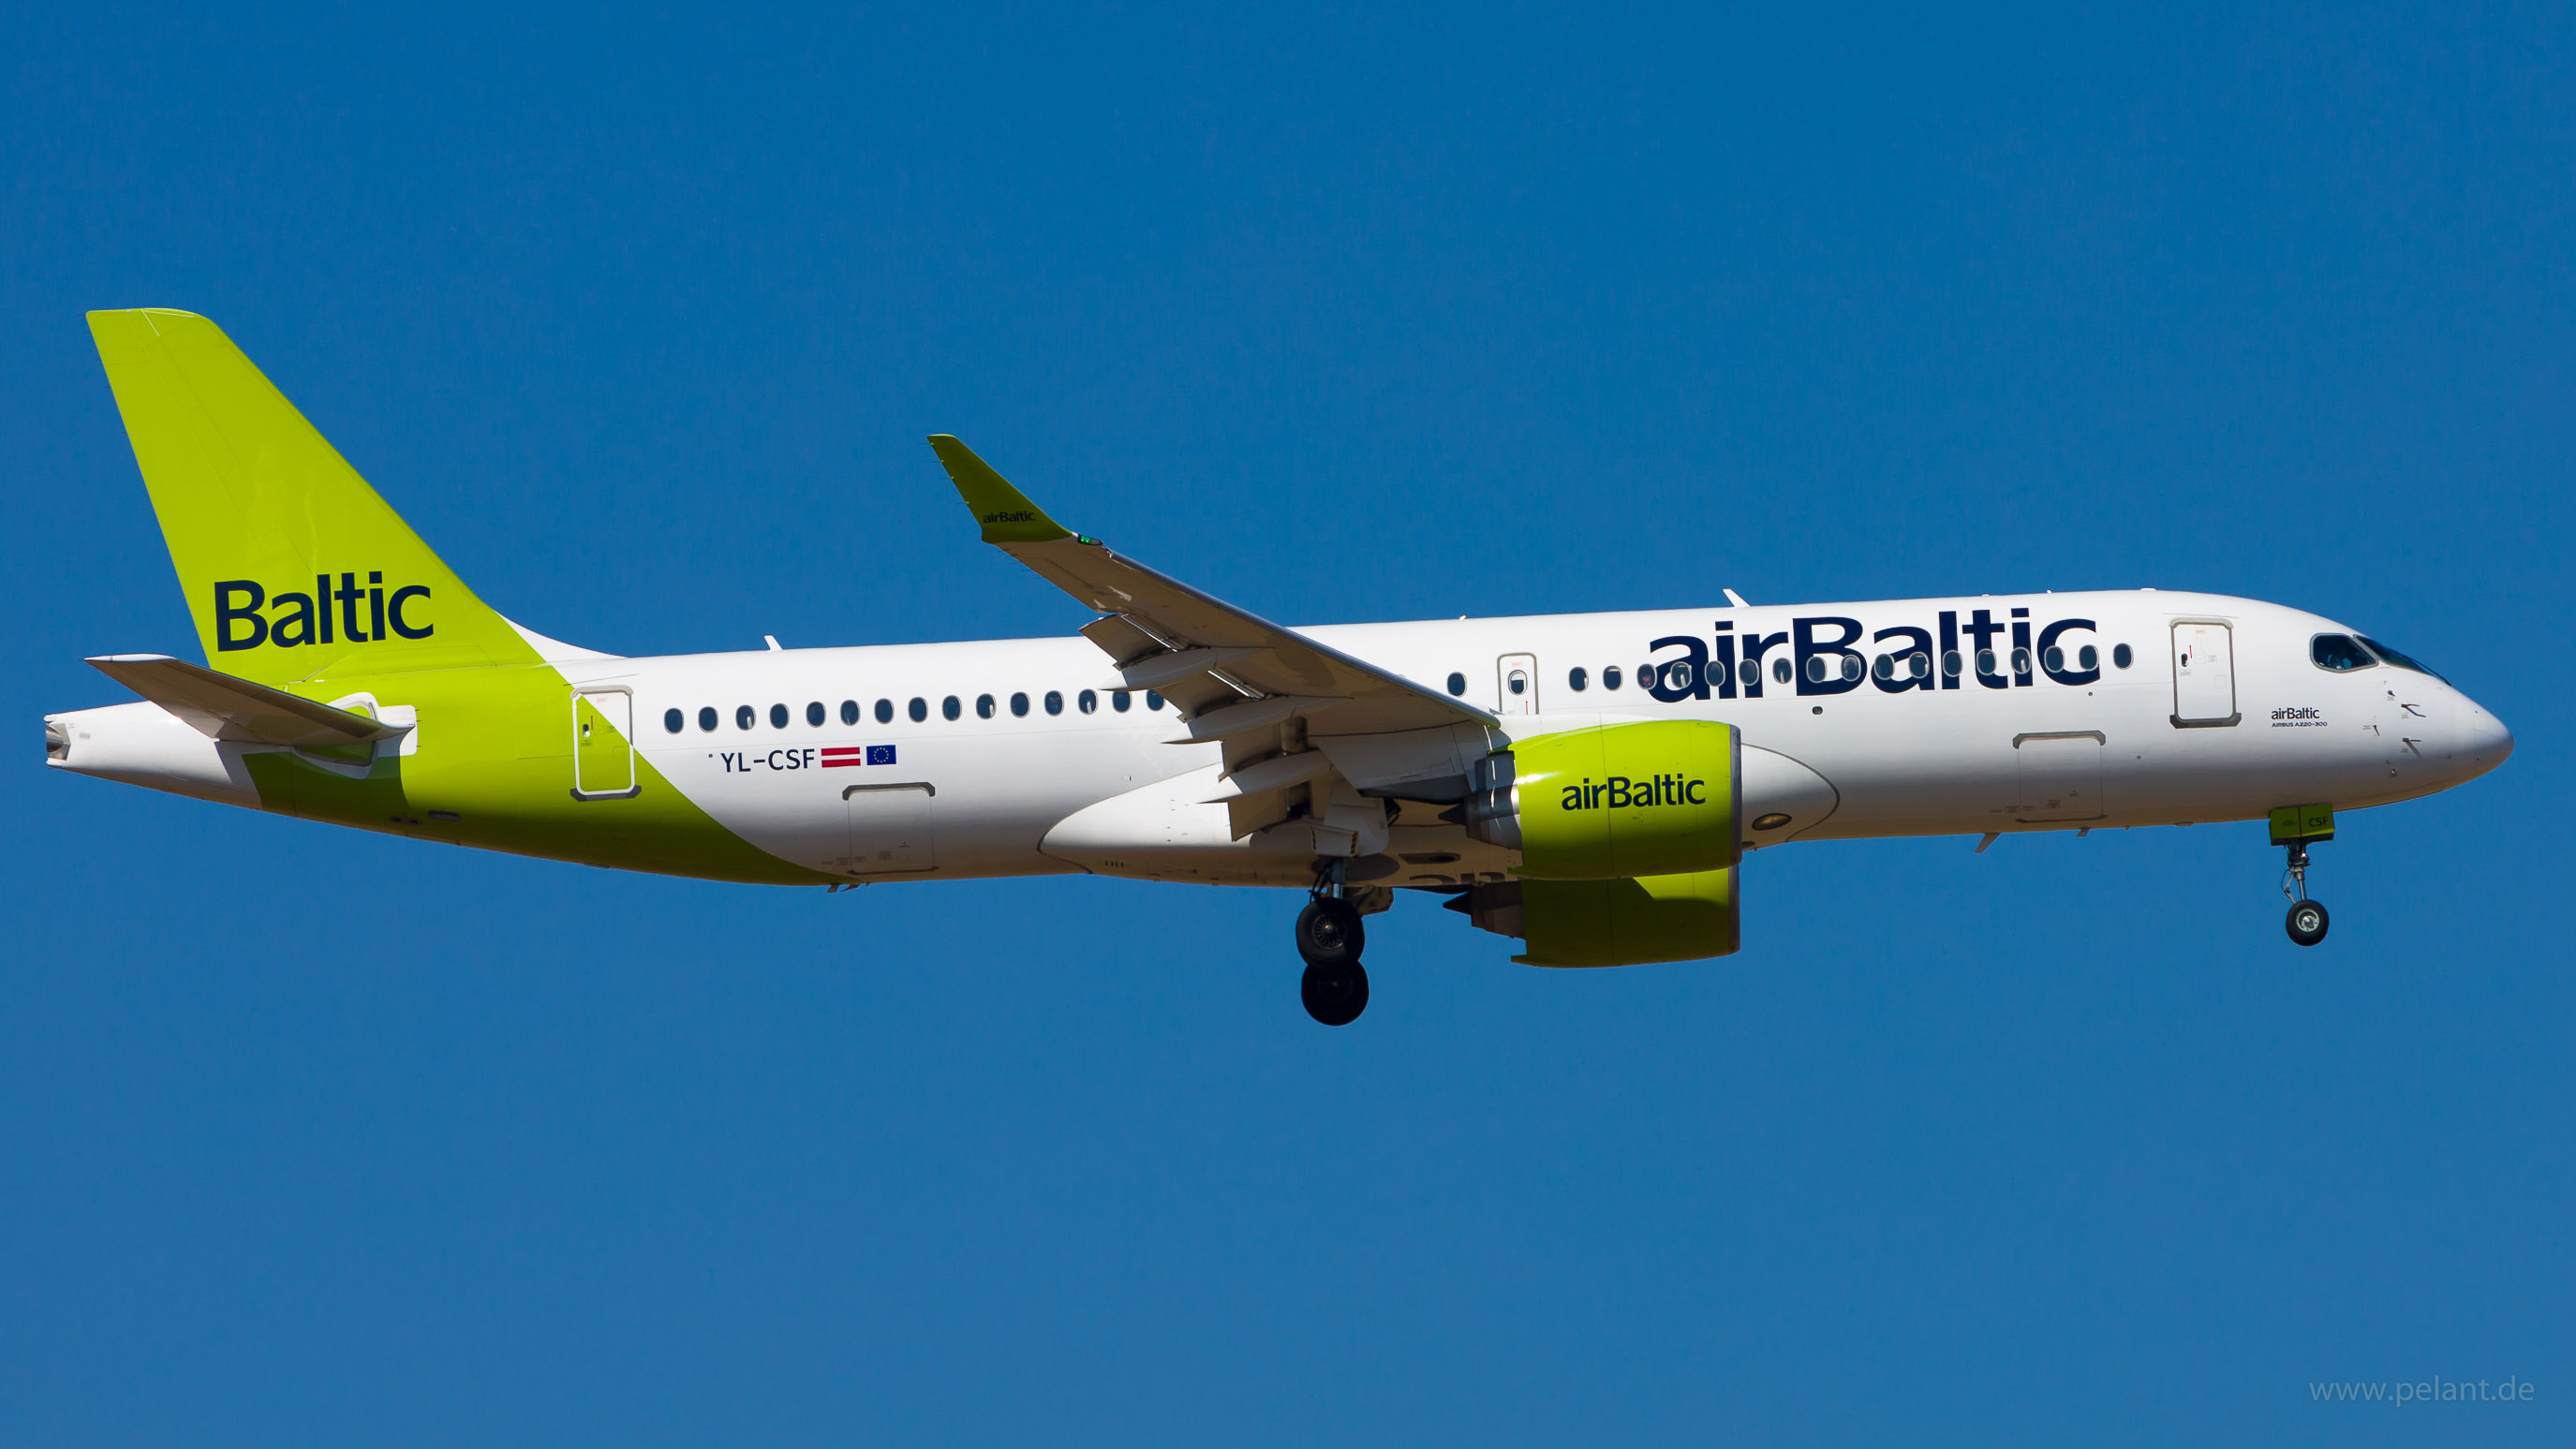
(315, 1138)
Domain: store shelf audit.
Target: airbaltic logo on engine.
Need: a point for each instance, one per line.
(1621, 793)
(294, 618)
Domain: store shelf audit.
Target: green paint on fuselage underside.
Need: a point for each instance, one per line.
(495, 749)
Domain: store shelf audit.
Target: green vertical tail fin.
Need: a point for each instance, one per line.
(290, 562)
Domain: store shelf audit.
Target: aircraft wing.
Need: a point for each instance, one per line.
(1258, 687)
(225, 708)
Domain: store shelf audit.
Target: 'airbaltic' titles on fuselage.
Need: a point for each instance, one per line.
(1621, 793)
(1820, 659)
(296, 618)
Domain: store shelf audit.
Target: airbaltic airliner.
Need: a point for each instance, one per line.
(1585, 783)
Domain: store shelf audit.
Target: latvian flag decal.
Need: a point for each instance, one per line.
(838, 755)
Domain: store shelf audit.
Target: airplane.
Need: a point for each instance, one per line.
(1588, 784)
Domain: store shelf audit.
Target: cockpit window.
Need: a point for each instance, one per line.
(2339, 652)
(2393, 657)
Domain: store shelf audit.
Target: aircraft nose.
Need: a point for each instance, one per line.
(2484, 740)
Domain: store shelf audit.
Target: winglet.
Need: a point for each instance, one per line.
(1006, 513)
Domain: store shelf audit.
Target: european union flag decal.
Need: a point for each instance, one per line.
(880, 754)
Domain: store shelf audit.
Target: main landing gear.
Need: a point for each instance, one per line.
(2294, 827)
(1329, 936)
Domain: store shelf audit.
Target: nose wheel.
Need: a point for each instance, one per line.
(2307, 922)
(1329, 936)
(2295, 827)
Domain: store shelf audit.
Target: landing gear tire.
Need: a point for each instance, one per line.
(2307, 923)
(1329, 934)
(1335, 995)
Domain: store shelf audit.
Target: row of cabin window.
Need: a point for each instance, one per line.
(744, 716)
(1916, 665)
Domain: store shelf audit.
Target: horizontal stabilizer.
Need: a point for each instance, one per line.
(226, 708)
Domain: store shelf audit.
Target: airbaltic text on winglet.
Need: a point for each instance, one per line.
(1024, 515)
(296, 618)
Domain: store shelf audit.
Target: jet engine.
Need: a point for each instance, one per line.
(1628, 838)
(1656, 797)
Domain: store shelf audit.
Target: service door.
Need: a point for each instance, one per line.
(2061, 776)
(890, 827)
(2204, 660)
(1516, 685)
(603, 752)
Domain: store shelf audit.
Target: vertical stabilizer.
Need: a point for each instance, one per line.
(291, 564)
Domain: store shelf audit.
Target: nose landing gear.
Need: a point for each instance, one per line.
(1329, 936)
(2294, 826)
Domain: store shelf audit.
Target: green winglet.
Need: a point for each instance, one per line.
(1006, 514)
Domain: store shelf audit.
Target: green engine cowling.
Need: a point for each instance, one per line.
(1629, 837)
(1655, 797)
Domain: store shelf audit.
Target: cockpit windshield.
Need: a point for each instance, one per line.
(2340, 653)
(2400, 660)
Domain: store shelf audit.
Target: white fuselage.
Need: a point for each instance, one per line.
(2219, 714)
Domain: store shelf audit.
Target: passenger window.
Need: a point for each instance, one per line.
(1986, 662)
(2021, 661)
(2121, 656)
(1885, 667)
(983, 706)
(1055, 701)
(919, 709)
(707, 718)
(674, 721)
(1577, 678)
(1517, 682)
(743, 717)
(1922, 663)
(885, 711)
(1781, 671)
(1815, 669)
(2340, 653)
(2055, 659)
(1749, 672)
(1088, 702)
(1457, 685)
(849, 711)
(1019, 705)
(949, 708)
(1153, 700)
(1680, 676)
(1121, 702)
(1611, 677)
(778, 716)
(814, 714)
(2088, 657)
(1950, 662)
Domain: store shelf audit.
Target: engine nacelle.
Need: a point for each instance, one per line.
(1613, 922)
(1612, 802)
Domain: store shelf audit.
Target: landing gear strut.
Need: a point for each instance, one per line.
(1329, 936)
(2294, 827)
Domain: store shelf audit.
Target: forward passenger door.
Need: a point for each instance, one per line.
(2204, 665)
